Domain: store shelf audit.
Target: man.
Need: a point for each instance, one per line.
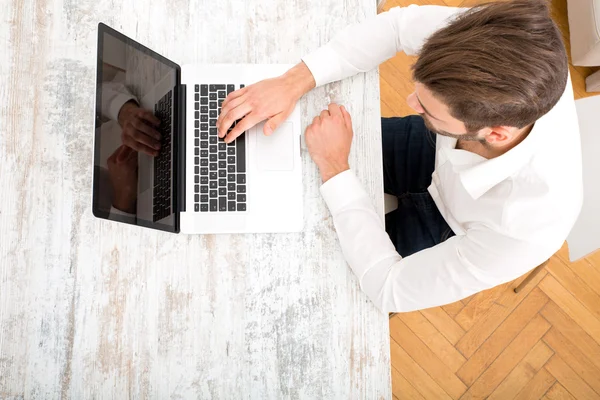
(491, 196)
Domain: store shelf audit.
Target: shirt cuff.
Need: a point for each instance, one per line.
(116, 211)
(116, 103)
(341, 190)
(323, 63)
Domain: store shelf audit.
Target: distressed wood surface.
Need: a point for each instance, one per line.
(94, 309)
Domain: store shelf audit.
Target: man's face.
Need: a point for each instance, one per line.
(437, 116)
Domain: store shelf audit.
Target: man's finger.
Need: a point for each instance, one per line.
(137, 146)
(226, 109)
(143, 138)
(246, 123)
(334, 110)
(143, 133)
(273, 123)
(237, 113)
(233, 95)
(148, 116)
(324, 113)
(347, 117)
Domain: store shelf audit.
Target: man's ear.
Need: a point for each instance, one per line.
(498, 134)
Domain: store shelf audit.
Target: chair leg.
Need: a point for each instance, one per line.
(531, 275)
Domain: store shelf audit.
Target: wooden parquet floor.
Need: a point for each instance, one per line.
(543, 343)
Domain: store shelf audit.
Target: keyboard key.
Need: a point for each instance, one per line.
(203, 118)
(222, 182)
(203, 171)
(241, 207)
(204, 144)
(213, 105)
(241, 178)
(242, 86)
(213, 131)
(213, 205)
(203, 153)
(231, 178)
(222, 146)
(231, 160)
(222, 191)
(213, 114)
(204, 90)
(222, 163)
(213, 194)
(196, 170)
(213, 157)
(204, 101)
(222, 154)
(197, 97)
(241, 189)
(231, 168)
(197, 114)
(204, 180)
(212, 96)
(222, 204)
(204, 198)
(204, 135)
(204, 189)
(204, 109)
(196, 124)
(213, 184)
(231, 195)
(213, 176)
(213, 166)
(203, 207)
(197, 160)
(222, 173)
(231, 151)
(197, 87)
(204, 127)
(197, 179)
(240, 149)
(197, 207)
(204, 162)
(222, 94)
(213, 140)
(241, 198)
(213, 148)
(197, 198)
(212, 122)
(231, 187)
(196, 133)
(230, 88)
(220, 103)
(231, 206)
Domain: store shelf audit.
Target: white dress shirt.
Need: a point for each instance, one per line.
(509, 213)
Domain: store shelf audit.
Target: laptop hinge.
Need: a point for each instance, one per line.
(181, 148)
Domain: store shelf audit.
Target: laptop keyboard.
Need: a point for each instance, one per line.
(162, 163)
(219, 168)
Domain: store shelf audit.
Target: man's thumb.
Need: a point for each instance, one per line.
(273, 123)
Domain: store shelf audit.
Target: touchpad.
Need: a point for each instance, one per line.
(276, 152)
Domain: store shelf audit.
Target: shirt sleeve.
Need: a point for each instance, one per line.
(114, 95)
(362, 47)
(452, 270)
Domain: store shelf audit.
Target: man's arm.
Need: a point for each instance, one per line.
(114, 95)
(362, 47)
(443, 274)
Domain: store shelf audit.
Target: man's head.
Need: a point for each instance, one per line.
(494, 70)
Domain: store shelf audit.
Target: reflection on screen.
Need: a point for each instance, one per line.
(133, 172)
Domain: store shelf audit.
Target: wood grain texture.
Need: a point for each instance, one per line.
(94, 309)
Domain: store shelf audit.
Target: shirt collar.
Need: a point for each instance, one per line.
(480, 177)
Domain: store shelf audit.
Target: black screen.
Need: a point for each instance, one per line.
(135, 148)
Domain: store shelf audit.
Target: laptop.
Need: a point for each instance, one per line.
(196, 183)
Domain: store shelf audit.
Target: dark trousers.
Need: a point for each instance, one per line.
(408, 162)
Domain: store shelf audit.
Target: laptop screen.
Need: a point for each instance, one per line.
(135, 146)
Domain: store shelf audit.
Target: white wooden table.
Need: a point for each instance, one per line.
(95, 309)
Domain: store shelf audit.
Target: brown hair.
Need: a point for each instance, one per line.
(497, 64)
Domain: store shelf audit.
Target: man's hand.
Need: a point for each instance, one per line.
(329, 139)
(123, 173)
(272, 99)
(139, 131)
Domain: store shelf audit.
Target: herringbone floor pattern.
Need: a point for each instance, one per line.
(541, 343)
